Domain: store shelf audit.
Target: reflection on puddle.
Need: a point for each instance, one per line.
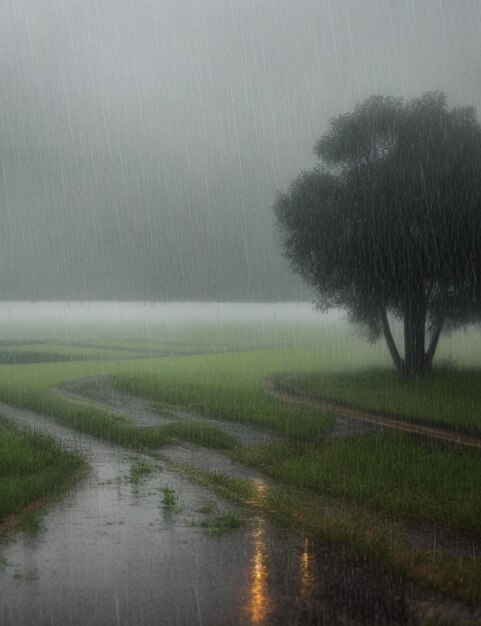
(268, 568)
(261, 489)
(306, 576)
(259, 600)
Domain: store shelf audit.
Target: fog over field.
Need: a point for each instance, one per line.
(142, 143)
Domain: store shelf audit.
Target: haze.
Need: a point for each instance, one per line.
(142, 143)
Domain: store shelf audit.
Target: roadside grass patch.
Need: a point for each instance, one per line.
(216, 523)
(385, 471)
(169, 499)
(223, 386)
(208, 508)
(221, 524)
(30, 387)
(139, 470)
(447, 397)
(360, 530)
(32, 467)
(32, 523)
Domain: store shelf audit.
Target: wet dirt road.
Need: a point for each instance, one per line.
(109, 553)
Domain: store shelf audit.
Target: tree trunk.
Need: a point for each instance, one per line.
(416, 362)
(391, 344)
(433, 344)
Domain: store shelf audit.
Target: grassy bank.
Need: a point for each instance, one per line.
(355, 529)
(385, 472)
(391, 473)
(224, 386)
(32, 387)
(32, 468)
(447, 397)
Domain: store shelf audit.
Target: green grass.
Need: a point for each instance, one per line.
(169, 498)
(31, 387)
(447, 397)
(24, 353)
(208, 508)
(228, 386)
(139, 470)
(386, 472)
(343, 491)
(31, 467)
(223, 386)
(221, 524)
(360, 530)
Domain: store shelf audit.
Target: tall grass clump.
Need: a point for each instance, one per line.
(31, 467)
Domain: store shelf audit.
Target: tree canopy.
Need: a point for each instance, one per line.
(389, 223)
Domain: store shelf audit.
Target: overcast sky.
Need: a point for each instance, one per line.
(143, 141)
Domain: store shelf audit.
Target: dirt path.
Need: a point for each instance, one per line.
(98, 390)
(109, 553)
(352, 421)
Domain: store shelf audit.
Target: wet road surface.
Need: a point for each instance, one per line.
(110, 553)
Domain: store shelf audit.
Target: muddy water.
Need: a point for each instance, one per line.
(109, 553)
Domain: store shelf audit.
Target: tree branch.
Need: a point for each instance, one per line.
(391, 344)
(433, 344)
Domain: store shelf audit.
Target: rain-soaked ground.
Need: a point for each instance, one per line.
(99, 390)
(110, 552)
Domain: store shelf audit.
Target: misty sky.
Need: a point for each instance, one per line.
(143, 141)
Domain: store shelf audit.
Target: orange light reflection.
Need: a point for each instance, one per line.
(259, 600)
(305, 570)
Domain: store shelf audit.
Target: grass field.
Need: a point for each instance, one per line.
(448, 397)
(386, 472)
(395, 476)
(32, 467)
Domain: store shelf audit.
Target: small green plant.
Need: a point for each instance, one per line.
(32, 523)
(169, 498)
(138, 469)
(208, 508)
(221, 524)
(113, 481)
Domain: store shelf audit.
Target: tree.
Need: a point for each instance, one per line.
(388, 225)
